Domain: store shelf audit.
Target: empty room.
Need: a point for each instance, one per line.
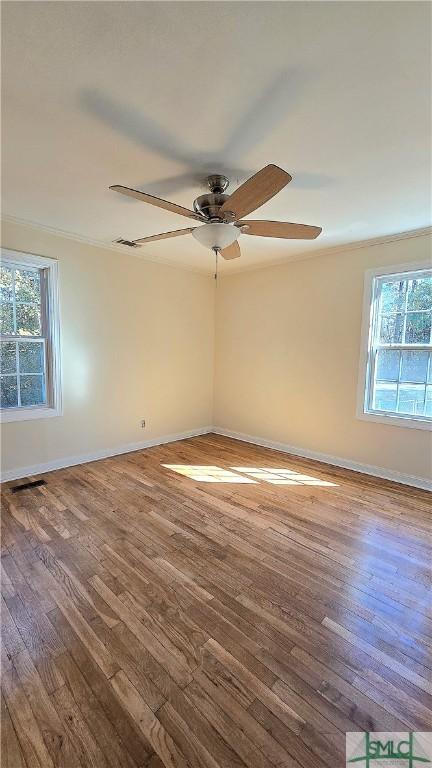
(216, 384)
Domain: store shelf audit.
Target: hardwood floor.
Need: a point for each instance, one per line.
(154, 619)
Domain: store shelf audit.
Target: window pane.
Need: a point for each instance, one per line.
(420, 294)
(387, 366)
(23, 347)
(418, 328)
(32, 390)
(393, 296)
(411, 399)
(391, 329)
(428, 406)
(28, 319)
(6, 284)
(27, 285)
(6, 314)
(8, 357)
(9, 393)
(414, 366)
(31, 356)
(385, 396)
(402, 318)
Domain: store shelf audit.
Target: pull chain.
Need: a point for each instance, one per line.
(216, 264)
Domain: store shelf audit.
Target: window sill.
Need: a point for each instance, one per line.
(27, 414)
(395, 421)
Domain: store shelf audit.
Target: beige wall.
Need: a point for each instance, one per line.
(287, 358)
(137, 341)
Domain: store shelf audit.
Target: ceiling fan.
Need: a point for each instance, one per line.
(222, 215)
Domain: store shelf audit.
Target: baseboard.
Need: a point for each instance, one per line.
(366, 469)
(71, 461)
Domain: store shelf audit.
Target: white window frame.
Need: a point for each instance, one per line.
(366, 372)
(53, 406)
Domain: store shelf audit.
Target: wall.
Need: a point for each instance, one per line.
(137, 341)
(287, 358)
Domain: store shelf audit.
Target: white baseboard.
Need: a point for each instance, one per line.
(367, 469)
(70, 461)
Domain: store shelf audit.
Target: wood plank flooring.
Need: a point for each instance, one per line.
(238, 607)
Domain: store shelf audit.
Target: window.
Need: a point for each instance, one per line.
(396, 381)
(29, 340)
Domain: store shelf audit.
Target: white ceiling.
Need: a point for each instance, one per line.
(157, 95)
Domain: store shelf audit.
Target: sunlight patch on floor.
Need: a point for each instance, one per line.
(281, 476)
(208, 474)
(205, 473)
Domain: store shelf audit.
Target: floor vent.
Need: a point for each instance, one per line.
(26, 486)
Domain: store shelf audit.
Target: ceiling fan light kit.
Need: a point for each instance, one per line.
(221, 214)
(216, 236)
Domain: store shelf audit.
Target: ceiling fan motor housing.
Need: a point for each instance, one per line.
(209, 205)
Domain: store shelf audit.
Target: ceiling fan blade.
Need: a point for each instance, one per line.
(231, 251)
(256, 191)
(165, 235)
(145, 198)
(279, 229)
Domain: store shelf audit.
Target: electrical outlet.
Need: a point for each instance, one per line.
(142, 423)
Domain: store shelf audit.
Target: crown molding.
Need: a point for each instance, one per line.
(334, 249)
(234, 269)
(119, 249)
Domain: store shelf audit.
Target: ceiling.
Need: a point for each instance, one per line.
(157, 95)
